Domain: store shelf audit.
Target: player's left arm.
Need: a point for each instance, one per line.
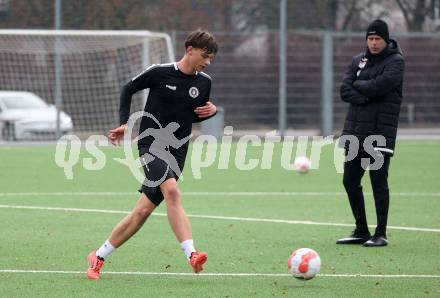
(206, 110)
(384, 83)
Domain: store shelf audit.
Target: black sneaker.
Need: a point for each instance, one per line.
(354, 238)
(376, 241)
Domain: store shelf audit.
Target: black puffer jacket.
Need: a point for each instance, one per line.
(373, 87)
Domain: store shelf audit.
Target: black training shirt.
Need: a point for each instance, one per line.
(173, 96)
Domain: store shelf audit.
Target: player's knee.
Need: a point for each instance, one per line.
(172, 195)
(143, 212)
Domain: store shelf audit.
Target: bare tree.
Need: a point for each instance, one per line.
(416, 12)
(352, 9)
(29, 14)
(254, 15)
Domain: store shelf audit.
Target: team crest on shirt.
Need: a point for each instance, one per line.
(193, 92)
(362, 63)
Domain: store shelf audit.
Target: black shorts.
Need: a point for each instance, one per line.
(157, 171)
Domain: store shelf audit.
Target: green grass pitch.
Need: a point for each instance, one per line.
(248, 222)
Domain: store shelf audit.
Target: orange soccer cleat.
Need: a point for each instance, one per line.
(197, 260)
(95, 265)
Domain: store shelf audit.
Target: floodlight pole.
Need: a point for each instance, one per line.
(58, 69)
(282, 70)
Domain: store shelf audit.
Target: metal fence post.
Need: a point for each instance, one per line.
(327, 84)
(58, 69)
(282, 69)
(215, 125)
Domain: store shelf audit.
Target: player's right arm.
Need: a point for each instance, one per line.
(142, 81)
(116, 134)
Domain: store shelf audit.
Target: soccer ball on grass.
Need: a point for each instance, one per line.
(302, 164)
(304, 263)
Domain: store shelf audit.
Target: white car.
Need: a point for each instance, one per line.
(24, 115)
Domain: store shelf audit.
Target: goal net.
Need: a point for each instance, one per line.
(79, 72)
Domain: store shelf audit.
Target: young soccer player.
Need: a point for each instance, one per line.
(179, 95)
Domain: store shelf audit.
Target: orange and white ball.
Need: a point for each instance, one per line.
(302, 164)
(304, 263)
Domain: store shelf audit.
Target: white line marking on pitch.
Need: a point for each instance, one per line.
(250, 219)
(225, 274)
(213, 193)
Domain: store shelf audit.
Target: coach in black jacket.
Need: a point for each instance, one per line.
(373, 87)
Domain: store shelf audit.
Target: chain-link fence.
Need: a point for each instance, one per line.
(246, 78)
(246, 72)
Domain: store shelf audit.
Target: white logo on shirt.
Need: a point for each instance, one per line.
(361, 65)
(193, 92)
(171, 87)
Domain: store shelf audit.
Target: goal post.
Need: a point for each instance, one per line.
(79, 71)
